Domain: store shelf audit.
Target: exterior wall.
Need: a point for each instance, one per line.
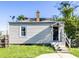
(38, 34)
(61, 35)
(35, 34)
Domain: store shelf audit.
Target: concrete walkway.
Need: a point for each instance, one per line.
(54, 56)
(57, 56)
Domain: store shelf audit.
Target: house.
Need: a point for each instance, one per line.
(36, 31)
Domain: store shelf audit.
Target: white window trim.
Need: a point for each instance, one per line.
(20, 30)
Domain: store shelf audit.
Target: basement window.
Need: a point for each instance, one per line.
(23, 31)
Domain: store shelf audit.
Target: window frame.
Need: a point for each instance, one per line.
(21, 31)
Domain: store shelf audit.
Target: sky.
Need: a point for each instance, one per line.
(28, 8)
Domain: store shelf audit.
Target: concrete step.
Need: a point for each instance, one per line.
(60, 47)
(63, 50)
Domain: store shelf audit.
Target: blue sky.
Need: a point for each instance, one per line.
(27, 8)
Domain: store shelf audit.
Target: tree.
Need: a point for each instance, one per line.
(71, 21)
(67, 10)
(21, 18)
(54, 18)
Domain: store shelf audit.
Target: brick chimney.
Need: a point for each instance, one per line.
(37, 16)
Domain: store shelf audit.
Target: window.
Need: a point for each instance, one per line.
(23, 31)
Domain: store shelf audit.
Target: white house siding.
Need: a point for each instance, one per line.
(63, 38)
(35, 34)
(61, 35)
(61, 32)
(38, 34)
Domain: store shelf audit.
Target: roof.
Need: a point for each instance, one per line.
(35, 23)
(41, 19)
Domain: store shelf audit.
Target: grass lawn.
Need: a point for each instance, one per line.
(24, 51)
(74, 51)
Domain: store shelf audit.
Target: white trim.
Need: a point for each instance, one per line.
(8, 29)
(59, 33)
(52, 33)
(20, 30)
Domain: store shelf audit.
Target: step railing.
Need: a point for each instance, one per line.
(67, 41)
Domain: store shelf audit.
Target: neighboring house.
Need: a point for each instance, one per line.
(37, 31)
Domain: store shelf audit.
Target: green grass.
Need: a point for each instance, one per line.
(74, 51)
(24, 51)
